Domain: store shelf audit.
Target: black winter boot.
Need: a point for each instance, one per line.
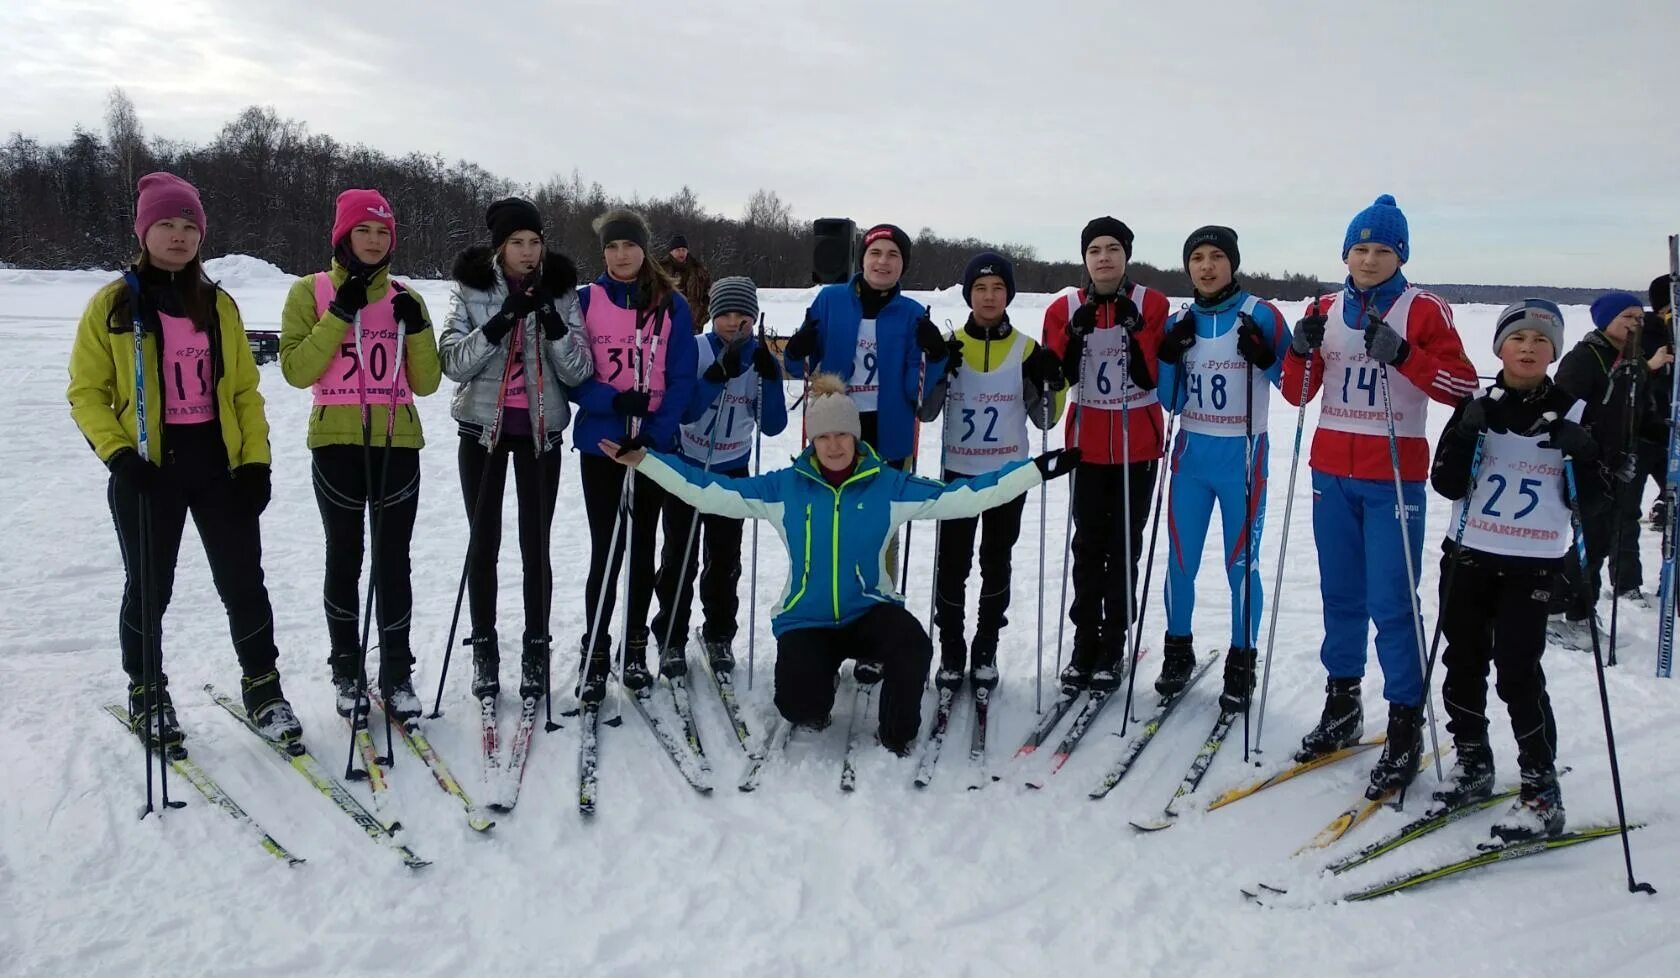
(1471, 777)
(673, 661)
(1340, 725)
(718, 653)
(1178, 664)
(953, 655)
(533, 668)
(982, 656)
(593, 670)
(1239, 680)
(265, 704)
(145, 725)
(487, 665)
(1401, 754)
(636, 676)
(1538, 810)
(1076, 675)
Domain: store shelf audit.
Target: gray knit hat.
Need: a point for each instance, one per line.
(1537, 314)
(829, 410)
(734, 293)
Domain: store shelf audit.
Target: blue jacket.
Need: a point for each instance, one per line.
(838, 313)
(771, 406)
(1217, 320)
(836, 538)
(596, 418)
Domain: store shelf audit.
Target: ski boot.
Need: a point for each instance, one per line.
(487, 664)
(1178, 662)
(145, 724)
(982, 657)
(636, 676)
(1076, 676)
(867, 672)
(593, 670)
(673, 662)
(1634, 596)
(266, 705)
(402, 702)
(1659, 514)
(1110, 669)
(344, 684)
(1574, 634)
(952, 654)
(533, 669)
(1239, 680)
(1471, 777)
(901, 747)
(717, 652)
(1398, 764)
(1340, 725)
(1538, 811)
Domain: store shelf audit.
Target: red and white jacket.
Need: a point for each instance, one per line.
(1100, 436)
(1352, 440)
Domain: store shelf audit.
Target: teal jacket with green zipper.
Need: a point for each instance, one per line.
(836, 538)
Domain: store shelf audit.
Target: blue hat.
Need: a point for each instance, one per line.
(989, 263)
(1611, 304)
(1381, 223)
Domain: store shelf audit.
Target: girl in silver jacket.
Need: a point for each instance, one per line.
(510, 299)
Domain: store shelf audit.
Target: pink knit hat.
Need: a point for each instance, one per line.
(163, 196)
(355, 206)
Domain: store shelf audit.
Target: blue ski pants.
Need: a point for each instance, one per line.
(1205, 469)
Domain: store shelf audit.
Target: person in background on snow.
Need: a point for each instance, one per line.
(1220, 352)
(642, 340)
(996, 380)
(1096, 331)
(691, 276)
(837, 506)
(1656, 340)
(1378, 326)
(1610, 373)
(339, 332)
(1496, 581)
(511, 298)
(204, 424)
(739, 391)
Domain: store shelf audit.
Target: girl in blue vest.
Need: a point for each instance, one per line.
(641, 336)
(1496, 579)
(837, 506)
(739, 393)
(1219, 359)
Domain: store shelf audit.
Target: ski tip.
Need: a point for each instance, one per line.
(478, 822)
(1154, 826)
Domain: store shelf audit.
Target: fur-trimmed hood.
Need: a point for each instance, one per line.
(475, 268)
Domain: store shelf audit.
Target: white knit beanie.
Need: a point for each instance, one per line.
(829, 410)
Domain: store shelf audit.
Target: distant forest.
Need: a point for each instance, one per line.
(268, 185)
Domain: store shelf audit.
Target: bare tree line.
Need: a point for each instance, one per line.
(268, 185)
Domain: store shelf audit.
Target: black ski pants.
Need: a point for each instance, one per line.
(341, 475)
(1102, 610)
(719, 538)
(808, 659)
(998, 528)
(536, 517)
(1494, 616)
(603, 491)
(194, 480)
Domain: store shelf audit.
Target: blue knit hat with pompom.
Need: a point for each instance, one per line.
(1381, 223)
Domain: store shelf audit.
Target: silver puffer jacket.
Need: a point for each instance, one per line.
(477, 365)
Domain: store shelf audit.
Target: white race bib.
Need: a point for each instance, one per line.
(865, 383)
(1518, 507)
(1353, 384)
(986, 416)
(1216, 385)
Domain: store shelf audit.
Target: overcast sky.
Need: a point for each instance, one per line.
(1527, 140)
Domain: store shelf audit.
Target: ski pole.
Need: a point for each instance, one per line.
(1411, 569)
(1619, 491)
(939, 525)
(1149, 563)
(1671, 483)
(1283, 541)
(1038, 676)
(694, 517)
(1067, 533)
(1250, 517)
(494, 439)
(758, 455)
(151, 666)
(1603, 691)
(1451, 572)
(545, 521)
(1126, 485)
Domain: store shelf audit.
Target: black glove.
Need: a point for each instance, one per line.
(518, 305)
(1083, 322)
(1252, 344)
(1626, 470)
(1382, 343)
(634, 443)
(1481, 414)
(1178, 340)
(1309, 331)
(134, 473)
(252, 487)
(805, 343)
(1126, 314)
(1574, 441)
(407, 310)
(632, 404)
(1057, 463)
(929, 338)
(729, 363)
(350, 298)
(549, 318)
(953, 355)
(1043, 369)
(764, 361)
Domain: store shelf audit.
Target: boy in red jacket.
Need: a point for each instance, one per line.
(1376, 327)
(1107, 335)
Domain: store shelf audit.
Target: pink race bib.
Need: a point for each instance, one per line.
(188, 397)
(364, 379)
(612, 343)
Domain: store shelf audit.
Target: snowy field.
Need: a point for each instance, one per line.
(796, 879)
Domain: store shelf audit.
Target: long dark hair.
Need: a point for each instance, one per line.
(653, 284)
(197, 293)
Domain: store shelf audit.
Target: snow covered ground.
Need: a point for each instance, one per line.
(796, 879)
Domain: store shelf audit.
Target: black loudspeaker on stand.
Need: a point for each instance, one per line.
(834, 252)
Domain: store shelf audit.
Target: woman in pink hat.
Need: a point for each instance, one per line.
(164, 388)
(364, 346)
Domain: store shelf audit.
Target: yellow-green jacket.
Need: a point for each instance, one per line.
(101, 388)
(308, 344)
